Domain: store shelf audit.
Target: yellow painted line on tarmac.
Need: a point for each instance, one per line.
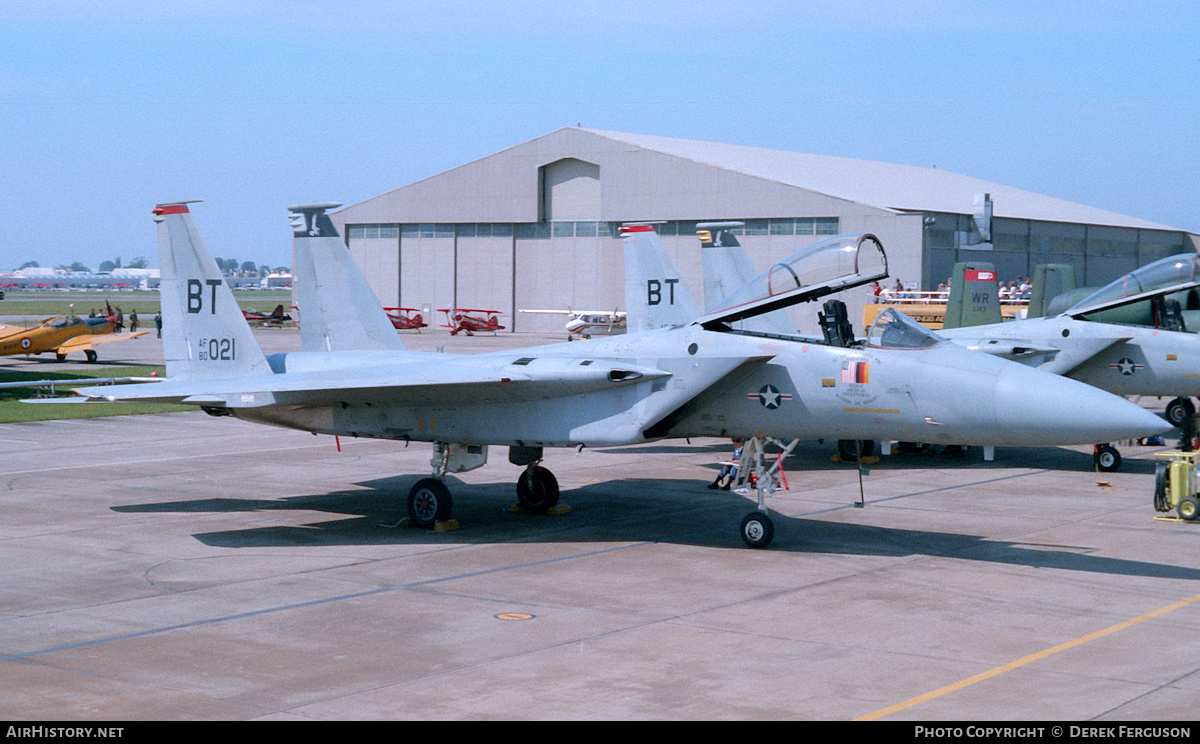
(962, 684)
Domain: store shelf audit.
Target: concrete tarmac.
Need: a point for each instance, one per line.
(179, 566)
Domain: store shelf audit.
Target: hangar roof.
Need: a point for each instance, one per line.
(502, 187)
(905, 188)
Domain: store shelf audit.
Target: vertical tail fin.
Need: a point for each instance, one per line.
(974, 296)
(205, 334)
(338, 309)
(1049, 281)
(655, 295)
(727, 269)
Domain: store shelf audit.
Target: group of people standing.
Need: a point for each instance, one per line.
(117, 318)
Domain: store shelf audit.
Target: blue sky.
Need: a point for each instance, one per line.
(109, 107)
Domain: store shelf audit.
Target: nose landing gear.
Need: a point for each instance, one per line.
(754, 473)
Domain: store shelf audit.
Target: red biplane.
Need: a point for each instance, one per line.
(405, 318)
(468, 320)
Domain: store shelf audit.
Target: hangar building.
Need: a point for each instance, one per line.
(535, 226)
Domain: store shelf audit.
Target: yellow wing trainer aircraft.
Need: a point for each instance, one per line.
(62, 335)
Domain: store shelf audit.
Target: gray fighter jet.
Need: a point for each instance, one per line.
(1127, 360)
(677, 373)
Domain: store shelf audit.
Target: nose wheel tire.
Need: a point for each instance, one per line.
(757, 530)
(537, 490)
(1108, 459)
(429, 503)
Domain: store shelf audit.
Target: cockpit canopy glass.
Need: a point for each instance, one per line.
(822, 268)
(895, 330)
(1170, 274)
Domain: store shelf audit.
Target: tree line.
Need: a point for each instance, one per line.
(226, 265)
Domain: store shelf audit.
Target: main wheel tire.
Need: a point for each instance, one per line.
(91, 356)
(1188, 508)
(1178, 410)
(757, 530)
(429, 503)
(850, 449)
(1108, 459)
(537, 490)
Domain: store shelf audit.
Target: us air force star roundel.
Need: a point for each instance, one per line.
(769, 396)
(1126, 366)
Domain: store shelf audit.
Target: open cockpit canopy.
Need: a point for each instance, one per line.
(1165, 276)
(820, 269)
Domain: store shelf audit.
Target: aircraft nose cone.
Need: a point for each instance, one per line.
(1041, 408)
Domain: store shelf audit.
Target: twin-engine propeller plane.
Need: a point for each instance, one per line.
(62, 334)
(470, 321)
(588, 323)
(677, 373)
(1127, 360)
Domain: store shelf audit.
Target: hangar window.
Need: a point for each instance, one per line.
(533, 230)
(826, 226)
(756, 227)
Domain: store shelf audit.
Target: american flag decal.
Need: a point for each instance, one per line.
(855, 371)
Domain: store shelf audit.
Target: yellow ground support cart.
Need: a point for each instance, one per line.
(1175, 484)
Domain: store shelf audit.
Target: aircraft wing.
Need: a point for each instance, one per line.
(87, 341)
(423, 383)
(1060, 360)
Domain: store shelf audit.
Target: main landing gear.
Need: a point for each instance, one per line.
(754, 473)
(430, 505)
(1179, 410)
(1107, 458)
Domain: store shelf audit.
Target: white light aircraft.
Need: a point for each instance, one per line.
(588, 323)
